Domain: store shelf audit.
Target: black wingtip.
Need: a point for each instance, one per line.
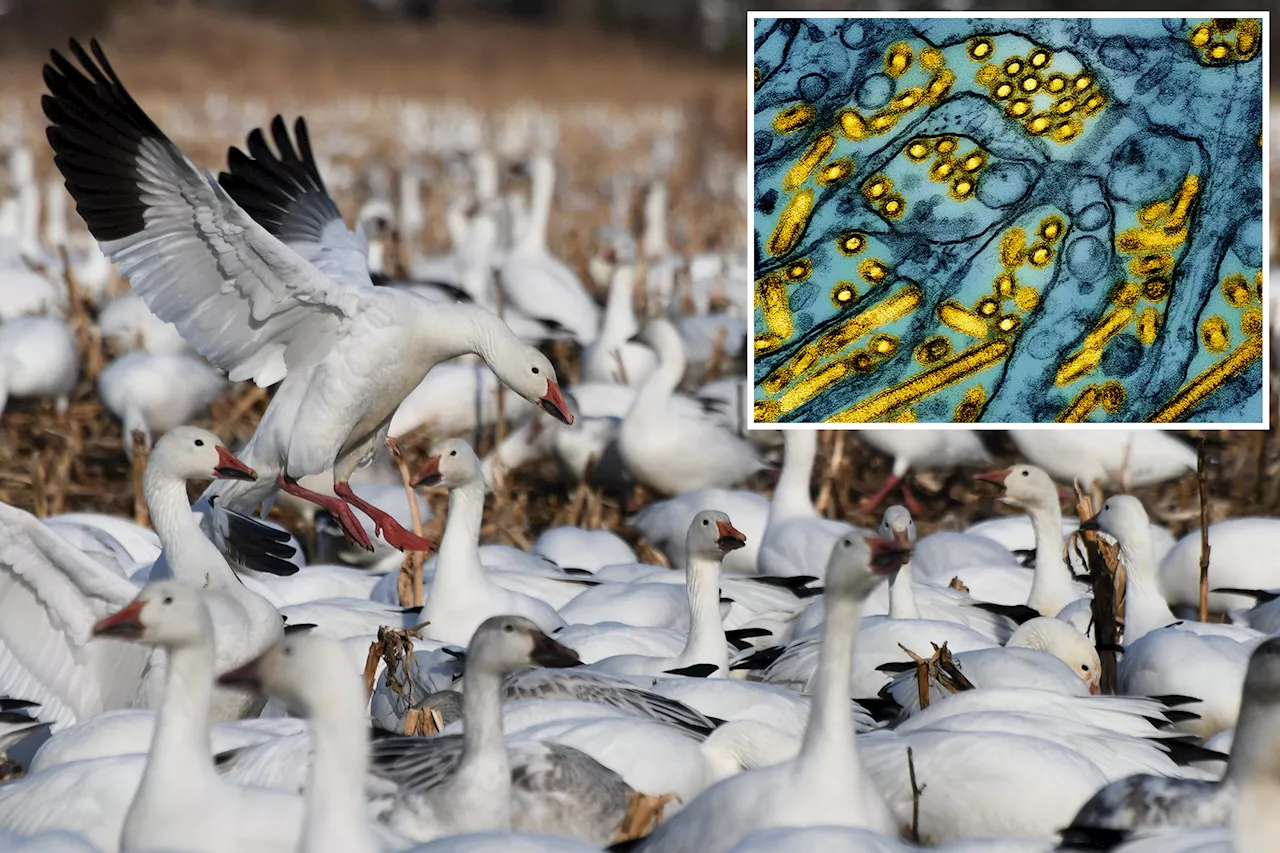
(1019, 613)
(697, 670)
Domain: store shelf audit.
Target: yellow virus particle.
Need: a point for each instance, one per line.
(1082, 81)
(799, 270)
(1257, 285)
(757, 76)
(939, 85)
(1209, 381)
(897, 59)
(1251, 322)
(882, 346)
(942, 170)
(1012, 66)
(969, 408)
(961, 189)
(883, 313)
(877, 186)
(1018, 108)
(791, 223)
(766, 344)
(853, 125)
(1113, 395)
(1148, 326)
(1084, 404)
(1154, 212)
(1050, 228)
(1013, 247)
(1040, 255)
(1008, 324)
(817, 151)
(776, 306)
(1111, 324)
(883, 122)
(908, 100)
(1146, 265)
(1056, 83)
(1214, 334)
(917, 150)
(987, 75)
(1039, 58)
(835, 171)
(1027, 298)
(932, 350)
(1029, 84)
(1125, 294)
(1235, 289)
(1065, 131)
(766, 411)
(1248, 37)
(1005, 285)
(1002, 91)
(862, 362)
(931, 59)
(1200, 35)
(1155, 289)
(1093, 104)
(873, 271)
(793, 118)
(955, 316)
(1064, 106)
(1218, 52)
(987, 306)
(893, 206)
(979, 49)
(1077, 365)
(946, 145)
(852, 242)
(1038, 124)
(973, 161)
(1182, 202)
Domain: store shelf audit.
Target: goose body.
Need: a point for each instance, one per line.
(155, 393)
(1126, 459)
(37, 360)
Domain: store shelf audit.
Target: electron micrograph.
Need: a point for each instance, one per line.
(1023, 220)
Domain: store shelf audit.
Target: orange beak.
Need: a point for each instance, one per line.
(902, 538)
(997, 477)
(430, 474)
(1094, 690)
(231, 468)
(125, 624)
(887, 555)
(245, 677)
(553, 404)
(729, 538)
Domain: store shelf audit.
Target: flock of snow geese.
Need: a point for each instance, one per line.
(790, 682)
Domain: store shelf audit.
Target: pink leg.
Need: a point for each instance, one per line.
(387, 527)
(875, 500)
(336, 506)
(908, 499)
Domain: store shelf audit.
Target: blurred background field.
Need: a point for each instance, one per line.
(623, 94)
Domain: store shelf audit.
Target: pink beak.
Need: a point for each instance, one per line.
(553, 404)
(126, 624)
(231, 468)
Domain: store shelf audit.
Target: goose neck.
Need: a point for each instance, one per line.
(619, 311)
(665, 379)
(541, 190)
(483, 777)
(335, 821)
(706, 642)
(191, 556)
(791, 496)
(1145, 609)
(1051, 588)
(902, 595)
(458, 558)
(828, 736)
(180, 746)
(1256, 774)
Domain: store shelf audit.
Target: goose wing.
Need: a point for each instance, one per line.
(51, 595)
(245, 300)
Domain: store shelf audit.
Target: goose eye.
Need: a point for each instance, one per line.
(535, 370)
(168, 599)
(1026, 473)
(509, 628)
(199, 442)
(1085, 667)
(453, 453)
(705, 522)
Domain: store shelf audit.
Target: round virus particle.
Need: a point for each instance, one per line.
(883, 346)
(852, 243)
(799, 270)
(980, 49)
(933, 350)
(844, 294)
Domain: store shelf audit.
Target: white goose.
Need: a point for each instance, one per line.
(51, 593)
(277, 290)
(613, 356)
(710, 537)
(38, 360)
(669, 449)
(127, 324)
(1122, 459)
(664, 523)
(1162, 655)
(921, 449)
(1240, 557)
(462, 596)
(23, 291)
(155, 393)
(824, 784)
(170, 798)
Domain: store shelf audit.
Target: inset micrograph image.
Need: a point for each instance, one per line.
(1009, 220)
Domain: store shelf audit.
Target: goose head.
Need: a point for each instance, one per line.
(166, 613)
(1122, 517)
(505, 644)
(1063, 641)
(1023, 486)
(191, 453)
(712, 535)
(898, 526)
(525, 370)
(450, 463)
(857, 565)
(300, 671)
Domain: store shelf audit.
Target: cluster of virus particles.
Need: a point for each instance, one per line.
(1008, 221)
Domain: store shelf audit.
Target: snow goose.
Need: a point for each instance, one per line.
(127, 324)
(1240, 557)
(273, 287)
(479, 781)
(613, 356)
(155, 393)
(23, 291)
(170, 798)
(456, 399)
(535, 282)
(664, 524)
(668, 449)
(1145, 802)
(576, 548)
(1163, 656)
(710, 537)
(1113, 459)
(51, 593)
(797, 541)
(38, 360)
(921, 449)
(825, 783)
(461, 595)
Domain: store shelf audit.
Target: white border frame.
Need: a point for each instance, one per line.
(1267, 284)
